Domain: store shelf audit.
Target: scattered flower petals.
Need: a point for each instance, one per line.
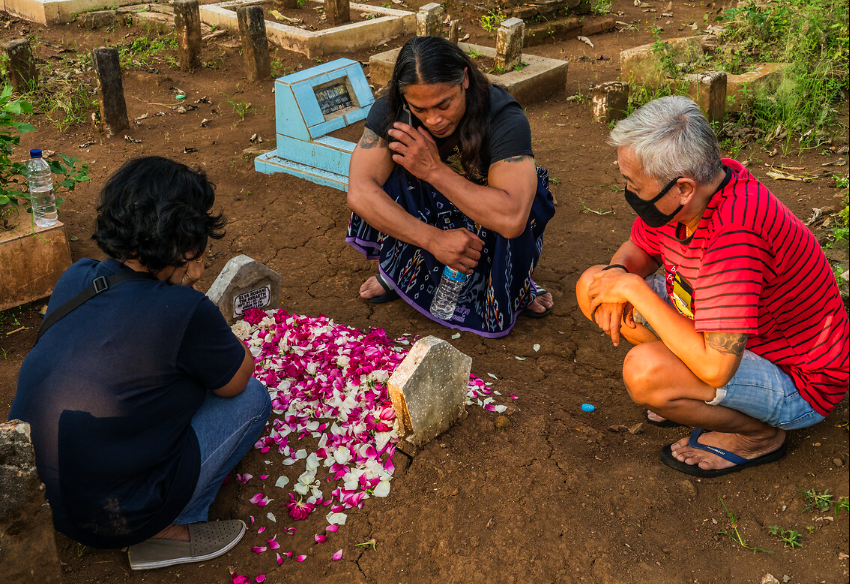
(270, 515)
(536, 347)
(519, 358)
(263, 477)
(336, 518)
(279, 560)
(512, 396)
(240, 579)
(258, 549)
(262, 529)
(301, 558)
(244, 478)
(492, 376)
(282, 481)
(332, 528)
(321, 538)
(251, 517)
(260, 578)
(337, 556)
(383, 488)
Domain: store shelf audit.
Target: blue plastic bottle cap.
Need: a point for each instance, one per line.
(587, 407)
(35, 153)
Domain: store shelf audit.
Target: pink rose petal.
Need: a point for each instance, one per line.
(337, 556)
(240, 579)
(258, 549)
(332, 528)
(263, 477)
(262, 529)
(514, 397)
(321, 538)
(260, 578)
(279, 560)
(301, 558)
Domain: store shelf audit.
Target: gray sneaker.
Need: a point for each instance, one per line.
(206, 541)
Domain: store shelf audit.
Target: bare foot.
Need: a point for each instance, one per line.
(175, 532)
(748, 447)
(371, 288)
(653, 417)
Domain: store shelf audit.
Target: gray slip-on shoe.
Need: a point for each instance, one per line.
(206, 541)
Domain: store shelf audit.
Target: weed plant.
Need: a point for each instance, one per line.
(789, 537)
(492, 19)
(812, 36)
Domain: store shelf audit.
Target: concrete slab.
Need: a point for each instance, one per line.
(541, 79)
(60, 11)
(642, 66)
(742, 88)
(349, 37)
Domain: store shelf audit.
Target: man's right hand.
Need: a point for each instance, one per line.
(609, 317)
(459, 249)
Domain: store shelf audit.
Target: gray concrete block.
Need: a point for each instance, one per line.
(99, 19)
(509, 42)
(429, 20)
(28, 551)
(428, 390)
(245, 283)
(610, 101)
(708, 89)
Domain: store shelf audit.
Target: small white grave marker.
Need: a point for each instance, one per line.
(245, 283)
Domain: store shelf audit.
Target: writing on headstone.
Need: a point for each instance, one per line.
(334, 98)
(257, 298)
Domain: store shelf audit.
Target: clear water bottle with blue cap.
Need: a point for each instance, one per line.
(40, 181)
(445, 298)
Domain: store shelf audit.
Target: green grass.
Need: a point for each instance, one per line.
(789, 537)
(492, 19)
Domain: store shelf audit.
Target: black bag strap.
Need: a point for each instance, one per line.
(99, 285)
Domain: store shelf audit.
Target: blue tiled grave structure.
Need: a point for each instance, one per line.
(309, 105)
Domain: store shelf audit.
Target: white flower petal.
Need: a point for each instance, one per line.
(282, 481)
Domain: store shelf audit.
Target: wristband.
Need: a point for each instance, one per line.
(621, 266)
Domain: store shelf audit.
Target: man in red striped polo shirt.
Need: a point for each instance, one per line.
(745, 336)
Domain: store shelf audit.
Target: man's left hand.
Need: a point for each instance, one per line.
(415, 150)
(609, 287)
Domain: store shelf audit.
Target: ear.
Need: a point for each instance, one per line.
(687, 189)
(465, 83)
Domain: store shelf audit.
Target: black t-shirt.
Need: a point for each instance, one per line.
(510, 133)
(110, 391)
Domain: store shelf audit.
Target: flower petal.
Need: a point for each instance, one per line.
(321, 538)
(337, 556)
(301, 558)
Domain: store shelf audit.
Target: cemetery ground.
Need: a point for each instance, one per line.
(541, 493)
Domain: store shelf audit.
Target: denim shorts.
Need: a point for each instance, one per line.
(759, 388)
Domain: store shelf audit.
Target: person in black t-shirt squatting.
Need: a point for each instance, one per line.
(444, 175)
(141, 399)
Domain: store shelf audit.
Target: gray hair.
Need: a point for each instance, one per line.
(670, 137)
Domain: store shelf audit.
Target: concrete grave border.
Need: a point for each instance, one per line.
(541, 79)
(61, 11)
(348, 37)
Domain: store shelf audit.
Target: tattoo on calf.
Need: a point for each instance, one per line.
(370, 140)
(731, 343)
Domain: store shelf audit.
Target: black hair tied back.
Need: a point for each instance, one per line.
(156, 211)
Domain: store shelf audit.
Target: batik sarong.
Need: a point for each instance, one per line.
(499, 288)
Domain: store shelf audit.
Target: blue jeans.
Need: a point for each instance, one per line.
(227, 428)
(759, 388)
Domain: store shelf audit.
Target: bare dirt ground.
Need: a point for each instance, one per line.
(552, 495)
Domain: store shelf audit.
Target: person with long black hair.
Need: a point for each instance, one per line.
(139, 397)
(444, 175)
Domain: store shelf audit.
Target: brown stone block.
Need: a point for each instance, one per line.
(597, 25)
(31, 261)
(708, 89)
(28, 552)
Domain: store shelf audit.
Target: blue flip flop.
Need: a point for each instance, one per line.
(739, 462)
(530, 313)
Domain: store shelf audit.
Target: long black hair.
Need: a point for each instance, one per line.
(428, 60)
(157, 211)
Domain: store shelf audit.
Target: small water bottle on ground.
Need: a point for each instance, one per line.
(40, 181)
(445, 298)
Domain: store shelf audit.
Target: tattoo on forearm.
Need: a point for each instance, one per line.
(370, 140)
(730, 343)
(516, 158)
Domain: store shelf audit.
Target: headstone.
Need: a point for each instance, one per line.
(309, 105)
(255, 45)
(245, 283)
(429, 20)
(27, 540)
(99, 19)
(509, 40)
(644, 65)
(708, 89)
(610, 101)
(187, 25)
(428, 390)
(113, 108)
(22, 72)
(337, 11)
(454, 31)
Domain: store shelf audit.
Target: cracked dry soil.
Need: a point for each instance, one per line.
(547, 494)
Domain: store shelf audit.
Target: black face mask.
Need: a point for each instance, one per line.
(647, 210)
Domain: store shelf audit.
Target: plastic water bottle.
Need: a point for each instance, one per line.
(40, 181)
(445, 298)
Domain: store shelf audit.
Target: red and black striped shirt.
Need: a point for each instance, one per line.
(752, 267)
